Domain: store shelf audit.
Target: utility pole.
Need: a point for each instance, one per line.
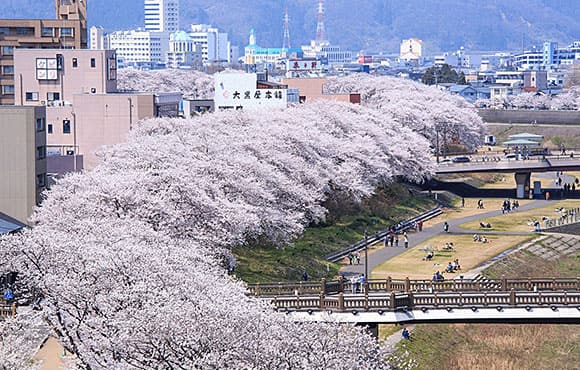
(286, 42)
(437, 143)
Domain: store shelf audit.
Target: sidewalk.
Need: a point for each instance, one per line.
(381, 255)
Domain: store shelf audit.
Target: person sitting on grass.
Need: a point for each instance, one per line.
(406, 335)
(450, 268)
(456, 265)
(429, 256)
(448, 247)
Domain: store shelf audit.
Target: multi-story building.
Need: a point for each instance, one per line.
(162, 15)
(84, 109)
(137, 48)
(182, 52)
(22, 160)
(67, 31)
(269, 57)
(214, 45)
(97, 38)
(411, 50)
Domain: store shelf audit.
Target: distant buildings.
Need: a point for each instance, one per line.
(411, 50)
(267, 58)
(214, 45)
(550, 56)
(183, 52)
(162, 15)
(137, 48)
(97, 38)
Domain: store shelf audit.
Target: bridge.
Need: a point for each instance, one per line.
(419, 301)
(521, 168)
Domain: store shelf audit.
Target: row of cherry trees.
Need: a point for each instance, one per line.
(192, 84)
(132, 257)
(567, 100)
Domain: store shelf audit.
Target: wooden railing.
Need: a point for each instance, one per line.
(7, 310)
(414, 286)
(408, 301)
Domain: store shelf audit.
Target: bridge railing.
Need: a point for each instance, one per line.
(407, 285)
(7, 310)
(422, 301)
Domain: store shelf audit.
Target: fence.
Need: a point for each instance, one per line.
(409, 301)
(370, 240)
(571, 216)
(411, 286)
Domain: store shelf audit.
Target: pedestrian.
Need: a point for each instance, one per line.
(420, 224)
(385, 242)
(396, 240)
(462, 202)
(406, 334)
(358, 258)
(353, 283)
(547, 195)
(446, 227)
(305, 276)
(350, 258)
(406, 239)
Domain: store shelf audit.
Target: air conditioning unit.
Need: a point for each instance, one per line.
(93, 90)
(43, 102)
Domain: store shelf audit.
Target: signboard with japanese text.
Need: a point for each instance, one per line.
(239, 91)
(304, 64)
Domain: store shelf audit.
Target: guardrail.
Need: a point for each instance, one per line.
(410, 286)
(410, 301)
(572, 216)
(371, 239)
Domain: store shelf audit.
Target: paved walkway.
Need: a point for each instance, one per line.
(381, 255)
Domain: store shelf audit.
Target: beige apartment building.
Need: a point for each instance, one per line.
(84, 109)
(67, 31)
(22, 160)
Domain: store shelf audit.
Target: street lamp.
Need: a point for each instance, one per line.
(366, 263)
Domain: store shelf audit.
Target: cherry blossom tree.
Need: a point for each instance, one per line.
(132, 258)
(424, 109)
(20, 338)
(192, 84)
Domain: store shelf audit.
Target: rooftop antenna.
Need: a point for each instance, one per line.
(286, 42)
(320, 30)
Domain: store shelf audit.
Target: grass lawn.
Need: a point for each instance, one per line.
(470, 209)
(492, 346)
(266, 263)
(470, 254)
(518, 221)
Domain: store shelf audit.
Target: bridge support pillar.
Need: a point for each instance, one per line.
(522, 184)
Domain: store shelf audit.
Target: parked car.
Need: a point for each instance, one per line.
(511, 156)
(445, 160)
(461, 160)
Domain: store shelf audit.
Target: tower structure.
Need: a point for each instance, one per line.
(320, 29)
(286, 42)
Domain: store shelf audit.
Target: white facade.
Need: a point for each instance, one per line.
(242, 91)
(182, 51)
(136, 47)
(162, 15)
(214, 45)
(411, 50)
(97, 38)
(325, 51)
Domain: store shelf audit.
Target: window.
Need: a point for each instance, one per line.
(8, 89)
(25, 31)
(8, 70)
(40, 124)
(31, 96)
(66, 126)
(7, 50)
(40, 152)
(47, 32)
(66, 31)
(93, 63)
(75, 62)
(41, 180)
(52, 96)
(49, 128)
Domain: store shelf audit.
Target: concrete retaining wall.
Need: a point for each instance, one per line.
(573, 229)
(528, 116)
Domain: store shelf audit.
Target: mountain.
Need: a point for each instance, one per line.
(370, 25)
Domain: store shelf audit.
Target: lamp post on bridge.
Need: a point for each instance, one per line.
(366, 263)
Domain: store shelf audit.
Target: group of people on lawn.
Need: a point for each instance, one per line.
(451, 268)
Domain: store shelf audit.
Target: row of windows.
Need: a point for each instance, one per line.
(50, 96)
(30, 31)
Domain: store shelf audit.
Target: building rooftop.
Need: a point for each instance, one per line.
(9, 225)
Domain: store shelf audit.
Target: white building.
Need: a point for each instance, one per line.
(97, 38)
(182, 51)
(244, 91)
(214, 45)
(136, 48)
(411, 50)
(162, 15)
(323, 50)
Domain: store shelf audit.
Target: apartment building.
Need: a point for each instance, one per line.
(162, 15)
(67, 31)
(22, 160)
(137, 48)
